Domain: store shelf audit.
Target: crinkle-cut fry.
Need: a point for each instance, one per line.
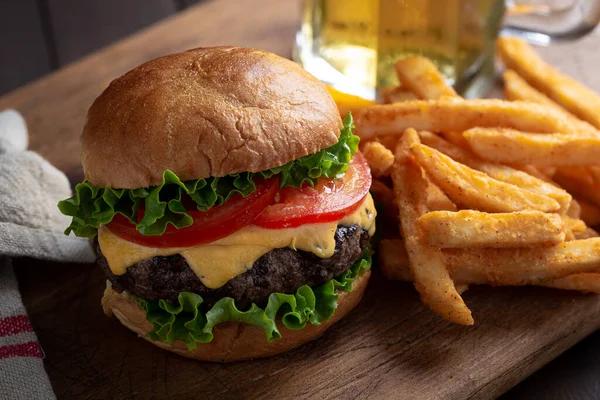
(471, 189)
(451, 114)
(423, 78)
(587, 234)
(524, 266)
(554, 149)
(469, 229)
(437, 200)
(393, 260)
(397, 94)
(587, 283)
(380, 158)
(500, 172)
(590, 213)
(519, 56)
(432, 280)
(517, 88)
(579, 182)
(397, 269)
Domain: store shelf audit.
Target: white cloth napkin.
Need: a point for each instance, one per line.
(30, 226)
(30, 188)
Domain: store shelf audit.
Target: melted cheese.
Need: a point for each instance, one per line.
(222, 260)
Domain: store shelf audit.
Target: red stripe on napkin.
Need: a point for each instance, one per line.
(29, 349)
(15, 324)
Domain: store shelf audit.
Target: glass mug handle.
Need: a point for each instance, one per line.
(542, 24)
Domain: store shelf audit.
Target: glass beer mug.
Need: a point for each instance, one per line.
(353, 44)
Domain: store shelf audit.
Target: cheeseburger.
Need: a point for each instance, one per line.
(227, 202)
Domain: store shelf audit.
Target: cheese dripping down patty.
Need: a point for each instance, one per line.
(218, 262)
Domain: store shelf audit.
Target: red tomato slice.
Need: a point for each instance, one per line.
(208, 226)
(329, 200)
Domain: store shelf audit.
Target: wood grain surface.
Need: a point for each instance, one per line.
(389, 347)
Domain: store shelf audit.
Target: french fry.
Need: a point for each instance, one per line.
(574, 210)
(469, 228)
(587, 234)
(432, 280)
(511, 146)
(590, 213)
(423, 78)
(500, 172)
(457, 139)
(437, 200)
(517, 88)
(380, 159)
(388, 141)
(594, 171)
(512, 267)
(570, 94)
(457, 153)
(580, 182)
(450, 114)
(587, 283)
(575, 225)
(468, 188)
(531, 170)
(524, 266)
(396, 94)
(393, 260)
(548, 172)
(500, 163)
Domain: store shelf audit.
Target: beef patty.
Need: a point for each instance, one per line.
(280, 270)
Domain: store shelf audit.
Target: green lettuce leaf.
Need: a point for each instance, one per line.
(187, 320)
(91, 206)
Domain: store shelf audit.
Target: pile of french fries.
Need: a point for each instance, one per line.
(486, 191)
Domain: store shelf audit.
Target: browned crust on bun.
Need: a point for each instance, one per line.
(205, 112)
(234, 341)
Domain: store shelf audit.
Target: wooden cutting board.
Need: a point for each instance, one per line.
(389, 347)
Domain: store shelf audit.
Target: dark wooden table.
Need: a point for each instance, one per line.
(389, 341)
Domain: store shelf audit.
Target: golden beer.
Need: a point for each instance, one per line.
(353, 44)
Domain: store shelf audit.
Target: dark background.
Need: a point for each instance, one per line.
(40, 36)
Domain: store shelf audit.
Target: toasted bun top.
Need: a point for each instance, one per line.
(205, 112)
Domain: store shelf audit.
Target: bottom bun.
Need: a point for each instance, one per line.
(233, 341)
